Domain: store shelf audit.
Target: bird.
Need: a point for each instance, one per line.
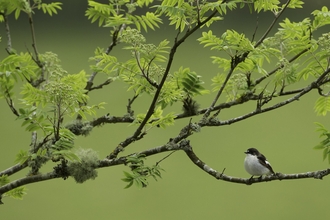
(255, 163)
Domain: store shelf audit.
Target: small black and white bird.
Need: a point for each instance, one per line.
(256, 164)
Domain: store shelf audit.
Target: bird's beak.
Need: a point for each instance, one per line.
(245, 152)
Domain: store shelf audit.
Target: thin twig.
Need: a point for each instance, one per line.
(114, 42)
(34, 41)
(158, 162)
(142, 69)
(259, 80)
(129, 106)
(255, 30)
(11, 103)
(100, 86)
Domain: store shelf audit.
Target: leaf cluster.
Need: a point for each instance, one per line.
(13, 68)
(115, 14)
(62, 148)
(189, 82)
(187, 14)
(325, 143)
(293, 39)
(140, 172)
(9, 6)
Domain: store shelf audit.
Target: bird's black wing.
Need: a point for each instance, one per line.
(263, 161)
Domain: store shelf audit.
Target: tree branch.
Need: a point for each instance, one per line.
(111, 119)
(9, 47)
(101, 164)
(278, 176)
(27, 180)
(14, 169)
(107, 119)
(138, 131)
(313, 85)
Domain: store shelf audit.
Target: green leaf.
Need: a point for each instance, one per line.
(325, 143)
(266, 5)
(128, 185)
(319, 147)
(4, 180)
(16, 193)
(325, 153)
(322, 105)
(190, 82)
(22, 156)
(67, 154)
(98, 11)
(50, 8)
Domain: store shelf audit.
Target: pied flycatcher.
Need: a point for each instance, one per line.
(256, 164)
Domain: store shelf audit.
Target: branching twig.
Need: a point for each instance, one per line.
(264, 99)
(304, 91)
(234, 62)
(259, 80)
(115, 38)
(107, 119)
(255, 30)
(138, 131)
(100, 86)
(142, 69)
(277, 16)
(41, 144)
(320, 91)
(207, 112)
(237, 59)
(129, 106)
(114, 42)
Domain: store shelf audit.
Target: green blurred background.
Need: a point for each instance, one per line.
(286, 136)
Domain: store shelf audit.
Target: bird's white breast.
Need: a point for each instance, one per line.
(253, 166)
